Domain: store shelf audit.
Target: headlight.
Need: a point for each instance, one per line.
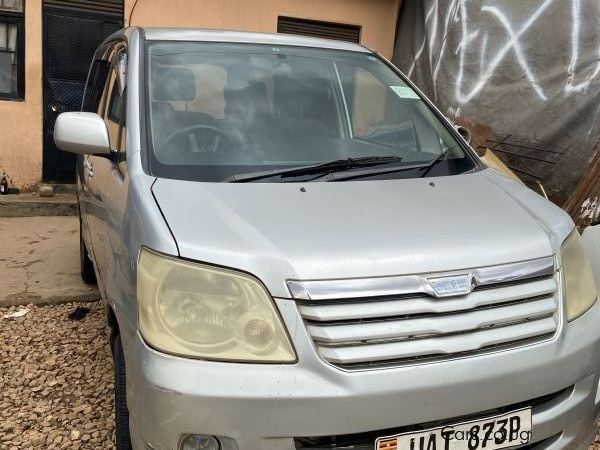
(200, 311)
(580, 287)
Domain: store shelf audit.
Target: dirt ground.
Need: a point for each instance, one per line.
(40, 261)
(56, 378)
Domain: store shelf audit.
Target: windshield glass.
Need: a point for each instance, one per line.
(219, 110)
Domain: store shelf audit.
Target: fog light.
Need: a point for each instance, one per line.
(199, 442)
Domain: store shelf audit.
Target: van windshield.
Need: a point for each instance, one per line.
(217, 111)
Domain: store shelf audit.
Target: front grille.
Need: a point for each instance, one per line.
(416, 326)
(366, 440)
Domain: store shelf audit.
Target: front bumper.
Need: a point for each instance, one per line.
(262, 407)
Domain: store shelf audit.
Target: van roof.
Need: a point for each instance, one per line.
(246, 37)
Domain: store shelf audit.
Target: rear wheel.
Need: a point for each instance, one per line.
(122, 437)
(85, 262)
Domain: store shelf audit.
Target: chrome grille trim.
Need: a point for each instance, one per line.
(369, 309)
(445, 345)
(515, 305)
(366, 332)
(411, 284)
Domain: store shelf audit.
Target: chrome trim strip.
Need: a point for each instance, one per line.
(368, 332)
(422, 304)
(338, 289)
(439, 346)
(515, 271)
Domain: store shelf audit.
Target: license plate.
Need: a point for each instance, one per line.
(492, 433)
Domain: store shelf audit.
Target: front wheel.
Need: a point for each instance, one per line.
(85, 261)
(122, 437)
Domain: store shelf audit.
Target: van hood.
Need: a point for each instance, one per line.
(278, 231)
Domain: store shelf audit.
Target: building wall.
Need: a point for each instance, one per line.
(377, 17)
(21, 121)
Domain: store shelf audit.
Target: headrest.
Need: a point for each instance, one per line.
(292, 97)
(173, 84)
(252, 95)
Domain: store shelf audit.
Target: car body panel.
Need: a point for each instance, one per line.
(591, 242)
(352, 229)
(258, 403)
(278, 232)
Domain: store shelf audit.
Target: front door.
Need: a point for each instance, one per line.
(71, 36)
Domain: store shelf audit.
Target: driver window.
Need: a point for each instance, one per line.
(114, 113)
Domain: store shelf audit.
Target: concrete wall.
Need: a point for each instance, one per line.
(21, 121)
(377, 17)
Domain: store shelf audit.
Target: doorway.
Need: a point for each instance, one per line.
(72, 31)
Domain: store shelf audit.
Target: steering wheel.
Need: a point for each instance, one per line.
(190, 129)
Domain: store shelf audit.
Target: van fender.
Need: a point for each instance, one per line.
(591, 243)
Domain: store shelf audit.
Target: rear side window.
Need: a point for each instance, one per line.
(95, 85)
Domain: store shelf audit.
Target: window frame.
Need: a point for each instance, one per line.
(17, 18)
(151, 166)
(122, 121)
(98, 90)
(118, 154)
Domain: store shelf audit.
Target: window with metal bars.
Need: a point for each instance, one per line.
(318, 28)
(12, 50)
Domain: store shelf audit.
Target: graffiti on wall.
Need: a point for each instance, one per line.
(530, 69)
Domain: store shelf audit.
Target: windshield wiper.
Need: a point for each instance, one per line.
(431, 164)
(338, 165)
(370, 172)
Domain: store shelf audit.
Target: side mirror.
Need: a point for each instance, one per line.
(81, 132)
(464, 132)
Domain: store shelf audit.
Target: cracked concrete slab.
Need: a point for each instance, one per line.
(39, 261)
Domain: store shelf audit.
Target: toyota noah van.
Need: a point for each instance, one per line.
(296, 250)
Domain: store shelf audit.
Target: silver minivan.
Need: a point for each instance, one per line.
(298, 251)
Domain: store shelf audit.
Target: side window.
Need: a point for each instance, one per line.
(115, 113)
(115, 104)
(95, 85)
(12, 50)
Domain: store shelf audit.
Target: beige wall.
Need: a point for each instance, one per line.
(21, 122)
(377, 17)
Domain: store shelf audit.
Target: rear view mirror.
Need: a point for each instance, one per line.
(465, 133)
(81, 132)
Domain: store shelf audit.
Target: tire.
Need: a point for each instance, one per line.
(122, 437)
(85, 261)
